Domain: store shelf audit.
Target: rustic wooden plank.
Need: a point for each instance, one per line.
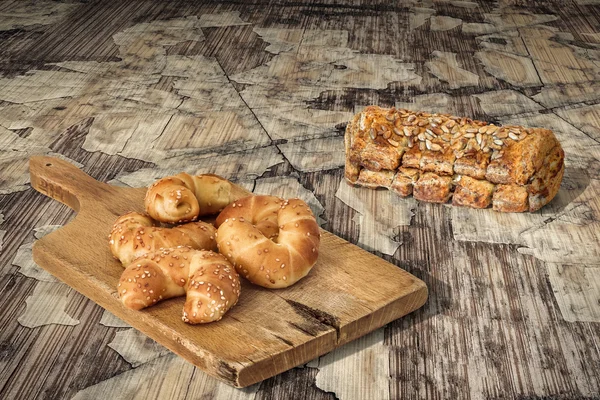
(530, 50)
(330, 307)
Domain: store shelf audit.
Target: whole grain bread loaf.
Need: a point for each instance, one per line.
(438, 157)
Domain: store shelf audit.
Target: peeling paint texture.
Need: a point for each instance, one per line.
(261, 93)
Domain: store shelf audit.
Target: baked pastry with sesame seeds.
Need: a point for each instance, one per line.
(135, 234)
(436, 157)
(270, 241)
(184, 197)
(209, 281)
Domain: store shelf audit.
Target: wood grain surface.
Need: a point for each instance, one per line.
(259, 93)
(348, 293)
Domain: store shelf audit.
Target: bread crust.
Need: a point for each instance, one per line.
(135, 234)
(546, 182)
(522, 159)
(471, 192)
(433, 188)
(209, 281)
(184, 197)
(375, 179)
(273, 262)
(510, 198)
(404, 181)
(380, 143)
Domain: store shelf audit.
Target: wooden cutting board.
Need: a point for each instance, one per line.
(348, 293)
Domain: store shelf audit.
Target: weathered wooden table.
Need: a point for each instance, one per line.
(260, 93)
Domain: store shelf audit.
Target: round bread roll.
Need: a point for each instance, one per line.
(270, 241)
(183, 197)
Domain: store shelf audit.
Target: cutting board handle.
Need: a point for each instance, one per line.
(63, 181)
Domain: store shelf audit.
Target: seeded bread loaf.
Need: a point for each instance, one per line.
(436, 157)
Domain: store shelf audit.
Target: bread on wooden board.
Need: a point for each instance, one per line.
(209, 281)
(184, 197)
(135, 234)
(272, 242)
(438, 157)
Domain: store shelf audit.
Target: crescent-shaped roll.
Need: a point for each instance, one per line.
(270, 241)
(209, 281)
(183, 197)
(136, 234)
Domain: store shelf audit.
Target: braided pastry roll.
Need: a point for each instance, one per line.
(135, 234)
(183, 197)
(210, 283)
(436, 157)
(270, 241)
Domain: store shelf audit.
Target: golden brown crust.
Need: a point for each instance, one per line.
(381, 141)
(404, 181)
(135, 234)
(275, 262)
(473, 165)
(433, 188)
(374, 180)
(209, 281)
(522, 158)
(352, 165)
(470, 192)
(412, 158)
(546, 182)
(437, 161)
(183, 197)
(510, 198)
(374, 152)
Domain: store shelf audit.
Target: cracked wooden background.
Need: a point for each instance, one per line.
(259, 92)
